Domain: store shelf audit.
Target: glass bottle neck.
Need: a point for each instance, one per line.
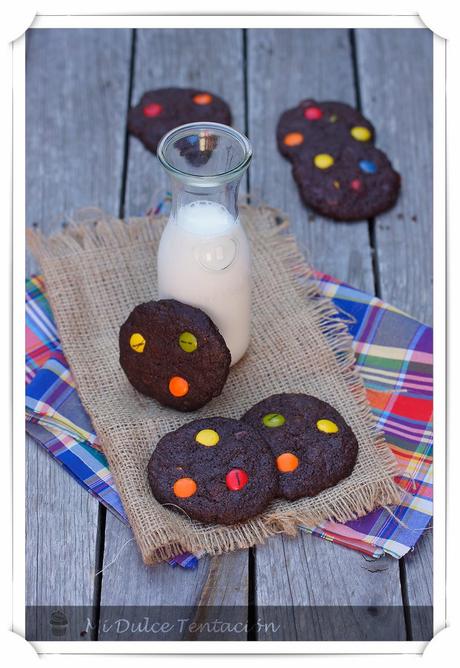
(225, 195)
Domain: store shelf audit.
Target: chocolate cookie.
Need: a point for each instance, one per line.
(215, 469)
(174, 353)
(326, 122)
(313, 446)
(161, 110)
(338, 170)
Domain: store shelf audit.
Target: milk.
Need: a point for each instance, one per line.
(204, 261)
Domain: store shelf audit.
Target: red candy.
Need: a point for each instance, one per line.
(356, 184)
(313, 113)
(152, 110)
(236, 479)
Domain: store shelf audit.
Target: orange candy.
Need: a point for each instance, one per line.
(202, 98)
(178, 386)
(287, 462)
(293, 139)
(184, 487)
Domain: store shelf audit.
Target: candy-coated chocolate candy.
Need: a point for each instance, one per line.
(356, 184)
(185, 361)
(293, 139)
(236, 479)
(287, 462)
(188, 342)
(368, 166)
(137, 342)
(178, 386)
(273, 420)
(313, 113)
(327, 426)
(323, 160)
(307, 461)
(360, 133)
(207, 437)
(336, 184)
(192, 139)
(153, 109)
(202, 98)
(184, 487)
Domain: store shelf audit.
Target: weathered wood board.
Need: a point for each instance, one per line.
(77, 94)
(418, 586)
(285, 67)
(396, 84)
(218, 588)
(319, 591)
(61, 538)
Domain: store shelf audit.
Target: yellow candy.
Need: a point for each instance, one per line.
(327, 426)
(323, 160)
(360, 133)
(207, 437)
(188, 342)
(137, 342)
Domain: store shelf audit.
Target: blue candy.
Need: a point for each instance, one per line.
(368, 166)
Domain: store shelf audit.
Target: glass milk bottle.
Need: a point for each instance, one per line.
(204, 257)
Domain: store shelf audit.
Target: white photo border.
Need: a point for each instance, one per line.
(439, 236)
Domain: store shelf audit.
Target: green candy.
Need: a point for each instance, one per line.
(188, 342)
(273, 420)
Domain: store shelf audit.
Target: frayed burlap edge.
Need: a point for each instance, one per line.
(107, 232)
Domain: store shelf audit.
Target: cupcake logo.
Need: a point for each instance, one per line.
(59, 623)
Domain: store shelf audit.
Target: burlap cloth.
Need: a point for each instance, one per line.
(95, 273)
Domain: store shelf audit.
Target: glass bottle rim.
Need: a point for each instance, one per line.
(183, 131)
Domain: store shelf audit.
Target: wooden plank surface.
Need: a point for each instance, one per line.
(218, 588)
(418, 586)
(395, 74)
(284, 67)
(319, 591)
(77, 93)
(395, 78)
(214, 61)
(61, 536)
(76, 104)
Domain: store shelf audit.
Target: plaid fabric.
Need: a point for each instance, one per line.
(55, 416)
(393, 353)
(41, 334)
